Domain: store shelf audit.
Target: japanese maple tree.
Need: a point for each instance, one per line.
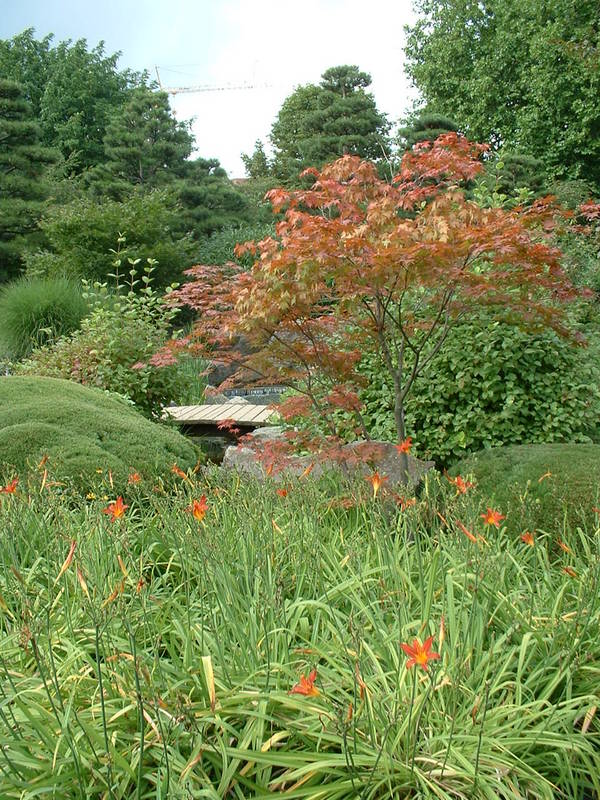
(360, 265)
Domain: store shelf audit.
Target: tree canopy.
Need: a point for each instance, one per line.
(23, 189)
(317, 124)
(521, 75)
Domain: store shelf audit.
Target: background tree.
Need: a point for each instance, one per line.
(144, 146)
(23, 190)
(426, 126)
(257, 165)
(523, 75)
(73, 92)
(331, 287)
(319, 123)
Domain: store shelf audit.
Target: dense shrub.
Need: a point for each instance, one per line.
(82, 235)
(36, 311)
(492, 384)
(113, 347)
(544, 486)
(82, 430)
(218, 248)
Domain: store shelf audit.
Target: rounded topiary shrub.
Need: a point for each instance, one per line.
(82, 430)
(492, 384)
(37, 311)
(547, 487)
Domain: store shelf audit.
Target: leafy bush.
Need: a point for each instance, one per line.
(492, 384)
(82, 430)
(82, 234)
(544, 486)
(113, 347)
(36, 311)
(218, 248)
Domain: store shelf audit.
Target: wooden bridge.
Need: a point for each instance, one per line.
(244, 415)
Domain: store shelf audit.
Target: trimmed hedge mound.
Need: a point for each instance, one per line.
(82, 430)
(538, 486)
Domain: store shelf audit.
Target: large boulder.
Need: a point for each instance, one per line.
(357, 458)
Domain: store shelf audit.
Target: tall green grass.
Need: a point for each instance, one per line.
(37, 311)
(163, 669)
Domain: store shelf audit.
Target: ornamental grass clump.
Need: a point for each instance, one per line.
(291, 644)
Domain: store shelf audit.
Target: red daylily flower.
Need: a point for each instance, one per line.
(116, 509)
(377, 481)
(419, 654)
(405, 446)
(306, 686)
(11, 487)
(198, 508)
(492, 517)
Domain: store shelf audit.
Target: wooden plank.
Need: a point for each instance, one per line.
(243, 413)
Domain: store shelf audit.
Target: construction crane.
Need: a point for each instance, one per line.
(208, 88)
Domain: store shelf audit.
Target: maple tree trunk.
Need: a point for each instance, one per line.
(401, 431)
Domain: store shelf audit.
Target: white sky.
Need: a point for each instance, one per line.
(197, 42)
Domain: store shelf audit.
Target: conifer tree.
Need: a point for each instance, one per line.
(144, 146)
(22, 187)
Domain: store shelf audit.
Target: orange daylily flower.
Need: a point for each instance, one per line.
(282, 492)
(405, 502)
(377, 481)
(461, 484)
(308, 470)
(179, 472)
(306, 686)
(11, 487)
(404, 446)
(140, 585)
(116, 510)
(570, 571)
(135, 477)
(527, 537)
(67, 561)
(198, 508)
(419, 654)
(564, 546)
(492, 517)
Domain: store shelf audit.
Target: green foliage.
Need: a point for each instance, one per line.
(81, 430)
(172, 670)
(218, 248)
(144, 146)
(317, 124)
(550, 487)
(82, 234)
(524, 76)
(424, 127)
(492, 384)
(36, 311)
(114, 345)
(208, 199)
(257, 164)
(23, 189)
(74, 92)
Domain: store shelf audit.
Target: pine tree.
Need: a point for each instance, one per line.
(23, 162)
(317, 124)
(144, 146)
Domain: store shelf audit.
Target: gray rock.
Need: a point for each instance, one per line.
(362, 458)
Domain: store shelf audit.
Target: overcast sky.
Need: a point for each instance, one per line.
(221, 42)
